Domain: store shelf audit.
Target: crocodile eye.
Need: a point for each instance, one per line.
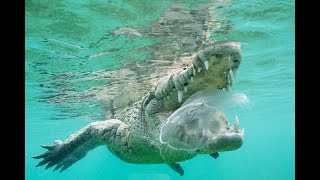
(236, 61)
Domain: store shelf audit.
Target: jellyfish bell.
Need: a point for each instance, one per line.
(200, 119)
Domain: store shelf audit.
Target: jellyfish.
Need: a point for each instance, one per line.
(200, 117)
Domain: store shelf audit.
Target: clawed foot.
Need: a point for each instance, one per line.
(57, 154)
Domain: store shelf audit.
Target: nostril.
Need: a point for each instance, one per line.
(236, 61)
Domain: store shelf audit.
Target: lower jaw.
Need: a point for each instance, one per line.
(234, 144)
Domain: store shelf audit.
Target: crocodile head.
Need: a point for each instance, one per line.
(212, 67)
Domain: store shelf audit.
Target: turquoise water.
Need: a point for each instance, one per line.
(62, 79)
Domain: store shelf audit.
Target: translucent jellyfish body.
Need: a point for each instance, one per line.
(199, 118)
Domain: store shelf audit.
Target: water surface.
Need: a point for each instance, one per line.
(69, 51)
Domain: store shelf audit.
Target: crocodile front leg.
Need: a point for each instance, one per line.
(64, 154)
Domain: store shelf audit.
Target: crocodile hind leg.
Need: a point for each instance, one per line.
(64, 154)
(215, 155)
(177, 168)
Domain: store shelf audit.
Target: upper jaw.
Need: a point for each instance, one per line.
(218, 62)
(213, 66)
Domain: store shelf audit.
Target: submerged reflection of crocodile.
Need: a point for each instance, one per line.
(144, 94)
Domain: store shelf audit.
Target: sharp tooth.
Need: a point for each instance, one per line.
(236, 124)
(185, 89)
(207, 132)
(229, 78)
(191, 79)
(204, 132)
(242, 133)
(193, 71)
(229, 58)
(199, 69)
(168, 97)
(235, 71)
(57, 142)
(206, 64)
(228, 88)
(171, 93)
(180, 96)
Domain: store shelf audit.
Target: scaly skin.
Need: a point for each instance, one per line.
(134, 135)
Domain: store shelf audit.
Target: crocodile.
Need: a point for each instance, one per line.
(132, 132)
(136, 140)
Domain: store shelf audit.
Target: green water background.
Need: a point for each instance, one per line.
(267, 76)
